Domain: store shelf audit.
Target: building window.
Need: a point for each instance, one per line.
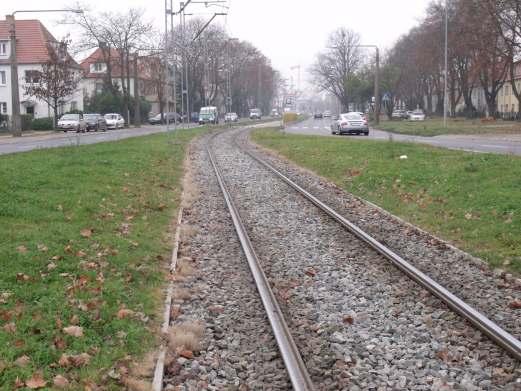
(29, 110)
(99, 88)
(3, 79)
(32, 76)
(74, 105)
(3, 48)
(97, 67)
(3, 108)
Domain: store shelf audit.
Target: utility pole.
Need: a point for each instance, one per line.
(16, 123)
(445, 97)
(137, 99)
(377, 87)
(174, 68)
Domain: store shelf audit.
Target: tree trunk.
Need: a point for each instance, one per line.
(55, 110)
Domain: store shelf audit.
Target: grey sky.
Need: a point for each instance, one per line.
(289, 32)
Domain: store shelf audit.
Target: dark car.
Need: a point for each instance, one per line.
(194, 116)
(95, 122)
(318, 116)
(171, 117)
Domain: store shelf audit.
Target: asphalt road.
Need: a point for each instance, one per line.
(60, 139)
(503, 144)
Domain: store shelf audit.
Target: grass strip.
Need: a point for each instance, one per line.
(435, 127)
(83, 239)
(469, 199)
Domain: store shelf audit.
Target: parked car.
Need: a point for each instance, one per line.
(72, 122)
(114, 121)
(231, 117)
(408, 113)
(255, 114)
(171, 117)
(327, 114)
(417, 115)
(350, 123)
(399, 114)
(318, 116)
(95, 122)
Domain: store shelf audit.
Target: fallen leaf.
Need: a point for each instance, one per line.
(22, 277)
(18, 383)
(80, 360)
(21, 249)
(75, 331)
(59, 343)
(36, 381)
(22, 361)
(3, 365)
(124, 313)
(68, 249)
(81, 254)
(443, 355)
(311, 272)
(10, 328)
(51, 266)
(43, 248)
(187, 354)
(348, 319)
(75, 320)
(516, 304)
(60, 381)
(86, 233)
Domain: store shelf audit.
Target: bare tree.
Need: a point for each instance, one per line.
(57, 80)
(334, 67)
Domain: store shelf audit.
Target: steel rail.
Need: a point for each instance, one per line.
(295, 366)
(497, 334)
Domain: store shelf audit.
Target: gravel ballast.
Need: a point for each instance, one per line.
(359, 323)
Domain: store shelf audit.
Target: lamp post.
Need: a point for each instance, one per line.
(16, 125)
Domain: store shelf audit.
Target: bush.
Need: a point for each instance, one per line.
(26, 120)
(46, 123)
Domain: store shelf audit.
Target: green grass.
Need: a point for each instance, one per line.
(472, 200)
(434, 127)
(52, 276)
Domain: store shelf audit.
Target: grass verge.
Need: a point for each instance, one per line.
(434, 127)
(471, 200)
(82, 244)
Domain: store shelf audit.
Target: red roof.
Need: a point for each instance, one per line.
(31, 41)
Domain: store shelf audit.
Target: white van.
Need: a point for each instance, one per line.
(208, 115)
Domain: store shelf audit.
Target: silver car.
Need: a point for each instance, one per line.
(72, 122)
(350, 123)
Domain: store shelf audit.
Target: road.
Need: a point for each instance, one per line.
(10, 145)
(503, 144)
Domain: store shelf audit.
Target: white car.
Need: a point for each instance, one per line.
(417, 115)
(231, 117)
(114, 121)
(350, 123)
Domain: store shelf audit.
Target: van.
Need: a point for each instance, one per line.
(208, 115)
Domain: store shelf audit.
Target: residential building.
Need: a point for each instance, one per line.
(33, 42)
(506, 100)
(95, 68)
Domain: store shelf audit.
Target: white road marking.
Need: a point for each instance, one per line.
(305, 127)
(325, 127)
(493, 146)
(315, 127)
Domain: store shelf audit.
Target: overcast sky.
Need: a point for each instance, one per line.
(289, 32)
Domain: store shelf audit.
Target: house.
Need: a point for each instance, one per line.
(96, 67)
(506, 100)
(33, 42)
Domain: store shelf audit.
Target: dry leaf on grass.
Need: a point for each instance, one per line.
(76, 361)
(60, 381)
(21, 249)
(75, 331)
(86, 233)
(22, 361)
(10, 328)
(124, 313)
(36, 381)
(42, 247)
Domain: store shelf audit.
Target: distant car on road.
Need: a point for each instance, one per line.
(231, 117)
(72, 122)
(208, 115)
(350, 123)
(318, 116)
(114, 121)
(327, 114)
(95, 122)
(417, 115)
(171, 117)
(255, 114)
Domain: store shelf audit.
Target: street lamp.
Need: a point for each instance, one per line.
(16, 126)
